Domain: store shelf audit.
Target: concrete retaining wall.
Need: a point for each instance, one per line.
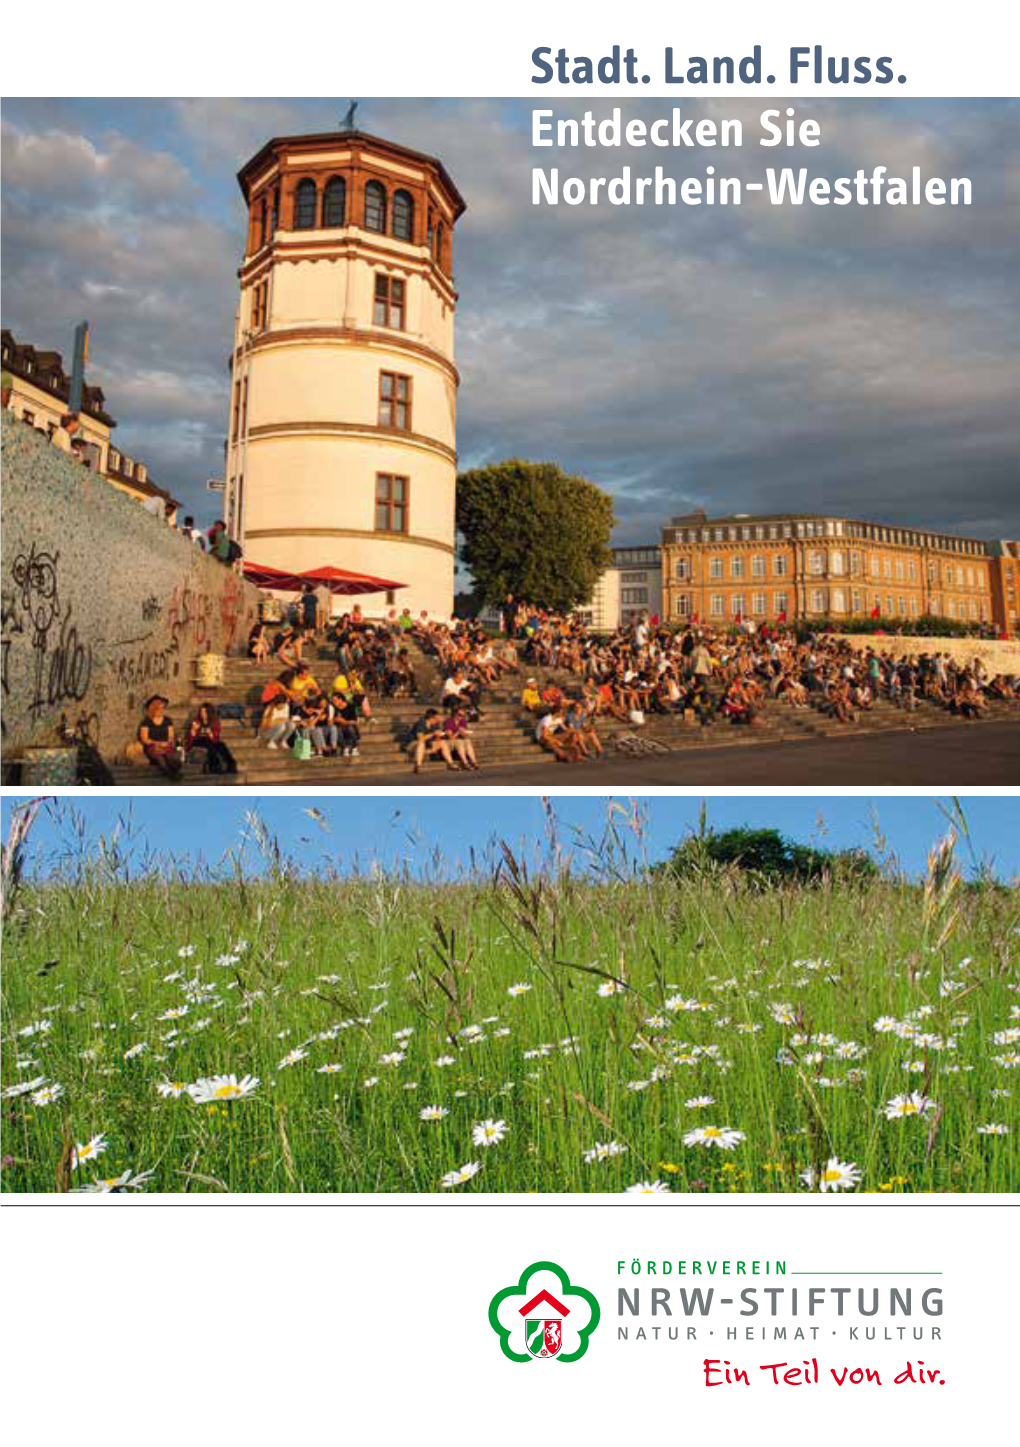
(103, 604)
(997, 655)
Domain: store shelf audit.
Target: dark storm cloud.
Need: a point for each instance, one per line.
(752, 358)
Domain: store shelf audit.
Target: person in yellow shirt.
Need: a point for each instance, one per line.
(303, 684)
(531, 699)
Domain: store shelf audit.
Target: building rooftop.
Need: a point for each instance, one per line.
(45, 370)
(325, 140)
(701, 519)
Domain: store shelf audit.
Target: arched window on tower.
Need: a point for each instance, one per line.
(439, 243)
(334, 201)
(403, 216)
(375, 206)
(304, 206)
(274, 211)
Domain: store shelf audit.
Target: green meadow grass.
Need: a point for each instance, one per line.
(337, 968)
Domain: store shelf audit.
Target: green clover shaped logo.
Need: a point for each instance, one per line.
(542, 1316)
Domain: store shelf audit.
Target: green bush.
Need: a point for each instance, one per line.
(767, 853)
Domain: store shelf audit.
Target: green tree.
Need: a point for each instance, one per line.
(534, 531)
(768, 854)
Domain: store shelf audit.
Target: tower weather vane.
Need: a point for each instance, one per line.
(348, 121)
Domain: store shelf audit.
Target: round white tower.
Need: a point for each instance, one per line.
(342, 437)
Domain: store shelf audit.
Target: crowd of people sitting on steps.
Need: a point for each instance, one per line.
(703, 674)
(643, 670)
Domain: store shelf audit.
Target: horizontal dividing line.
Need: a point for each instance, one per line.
(7, 1201)
(865, 1273)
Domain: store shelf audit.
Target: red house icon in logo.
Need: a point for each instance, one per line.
(544, 1335)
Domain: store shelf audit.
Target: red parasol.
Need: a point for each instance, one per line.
(337, 580)
(341, 580)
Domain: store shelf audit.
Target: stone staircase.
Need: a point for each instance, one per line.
(504, 735)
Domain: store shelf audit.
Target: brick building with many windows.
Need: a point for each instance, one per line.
(787, 567)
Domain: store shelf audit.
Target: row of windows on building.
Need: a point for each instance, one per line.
(394, 409)
(900, 569)
(648, 557)
(822, 601)
(326, 209)
(825, 528)
(392, 503)
(389, 303)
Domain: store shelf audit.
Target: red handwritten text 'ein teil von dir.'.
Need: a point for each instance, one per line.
(721, 1373)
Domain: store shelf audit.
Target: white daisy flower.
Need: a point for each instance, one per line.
(135, 1050)
(433, 1112)
(783, 1014)
(89, 1151)
(602, 1151)
(836, 1175)
(292, 1058)
(610, 987)
(903, 1105)
(24, 1087)
(885, 1024)
(697, 1101)
(445, 1060)
(126, 1181)
(330, 1068)
(722, 1136)
(211, 1089)
(186, 951)
(648, 1188)
(37, 1027)
(993, 1130)
(177, 1012)
(458, 1177)
(372, 1080)
(488, 1132)
(514, 991)
(171, 1089)
(47, 1095)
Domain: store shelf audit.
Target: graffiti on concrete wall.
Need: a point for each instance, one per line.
(101, 603)
(35, 620)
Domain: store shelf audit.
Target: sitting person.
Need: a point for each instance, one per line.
(310, 718)
(458, 688)
(204, 733)
(276, 725)
(400, 679)
(359, 693)
(458, 736)
(258, 643)
(287, 645)
(554, 735)
(156, 736)
(302, 684)
(531, 699)
(968, 701)
(581, 723)
(344, 715)
(427, 740)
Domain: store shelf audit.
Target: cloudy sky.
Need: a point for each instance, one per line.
(752, 358)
